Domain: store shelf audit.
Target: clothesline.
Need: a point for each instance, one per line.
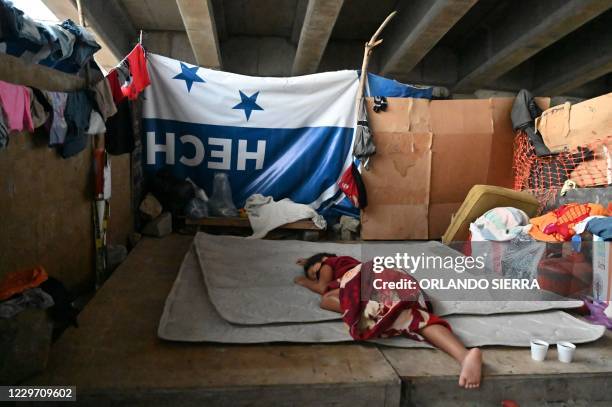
(70, 117)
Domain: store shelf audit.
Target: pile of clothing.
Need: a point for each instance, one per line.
(560, 225)
(70, 117)
(33, 288)
(569, 220)
(518, 247)
(539, 162)
(66, 46)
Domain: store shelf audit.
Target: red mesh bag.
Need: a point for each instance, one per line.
(587, 166)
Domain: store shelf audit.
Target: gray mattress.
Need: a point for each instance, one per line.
(189, 315)
(250, 282)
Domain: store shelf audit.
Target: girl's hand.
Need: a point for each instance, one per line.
(300, 280)
(301, 261)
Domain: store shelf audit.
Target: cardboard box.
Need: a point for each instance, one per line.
(398, 187)
(471, 143)
(569, 126)
(602, 270)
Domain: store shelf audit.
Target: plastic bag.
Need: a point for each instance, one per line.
(199, 192)
(220, 203)
(196, 209)
(171, 192)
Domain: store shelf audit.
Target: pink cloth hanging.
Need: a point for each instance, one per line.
(15, 100)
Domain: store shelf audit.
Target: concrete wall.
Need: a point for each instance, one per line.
(45, 207)
(121, 222)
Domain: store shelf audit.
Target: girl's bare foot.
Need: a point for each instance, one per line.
(471, 368)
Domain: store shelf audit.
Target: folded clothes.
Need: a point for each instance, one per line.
(84, 47)
(601, 227)
(558, 225)
(61, 44)
(32, 298)
(499, 224)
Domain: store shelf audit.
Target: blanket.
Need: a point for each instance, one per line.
(386, 312)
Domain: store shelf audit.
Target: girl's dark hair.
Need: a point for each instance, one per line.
(315, 259)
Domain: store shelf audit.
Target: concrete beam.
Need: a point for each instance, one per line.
(321, 16)
(199, 21)
(579, 59)
(579, 75)
(419, 25)
(219, 10)
(528, 28)
(298, 21)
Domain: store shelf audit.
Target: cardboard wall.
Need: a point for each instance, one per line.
(45, 207)
(471, 143)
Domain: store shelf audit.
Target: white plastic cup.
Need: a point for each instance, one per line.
(565, 351)
(539, 348)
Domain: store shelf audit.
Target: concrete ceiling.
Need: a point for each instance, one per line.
(464, 45)
(154, 15)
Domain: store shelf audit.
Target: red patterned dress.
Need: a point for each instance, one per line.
(379, 313)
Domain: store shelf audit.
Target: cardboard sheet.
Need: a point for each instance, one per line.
(569, 126)
(471, 143)
(398, 187)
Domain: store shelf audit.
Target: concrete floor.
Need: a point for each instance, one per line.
(115, 358)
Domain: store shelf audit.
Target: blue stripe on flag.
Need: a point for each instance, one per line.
(296, 163)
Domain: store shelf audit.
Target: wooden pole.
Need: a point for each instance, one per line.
(80, 12)
(82, 24)
(369, 46)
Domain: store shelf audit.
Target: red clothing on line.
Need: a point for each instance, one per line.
(113, 81)
(138, 70)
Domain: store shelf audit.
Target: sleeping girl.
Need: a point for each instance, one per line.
(373, 313)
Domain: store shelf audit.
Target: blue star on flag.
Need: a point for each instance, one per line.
(248, 104)
(189, 75)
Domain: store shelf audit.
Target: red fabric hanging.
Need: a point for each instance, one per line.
(138, 71)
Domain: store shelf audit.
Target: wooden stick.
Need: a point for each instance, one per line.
(82, 24)
(80, 12)
(369, 46)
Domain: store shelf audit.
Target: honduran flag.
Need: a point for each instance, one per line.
(284, 137)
